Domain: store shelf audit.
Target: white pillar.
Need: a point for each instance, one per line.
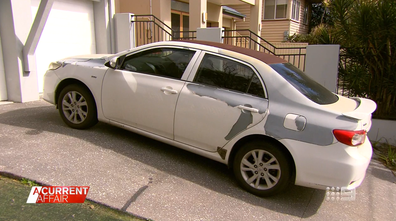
(124, 32)
(198, 14)
(103, 21)
(321, 64)
(162, 9)
(215, 14)
(15, 25)
(3, 86)
(256, 12)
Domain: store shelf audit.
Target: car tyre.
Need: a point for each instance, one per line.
(77, 107)
(262, 168)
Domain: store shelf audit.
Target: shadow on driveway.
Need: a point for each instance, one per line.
(38, 117)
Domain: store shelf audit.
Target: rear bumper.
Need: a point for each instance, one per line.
(336, 165)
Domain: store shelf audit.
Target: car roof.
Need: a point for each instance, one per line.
(264, 57)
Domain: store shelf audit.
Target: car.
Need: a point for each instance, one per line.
(264, 118)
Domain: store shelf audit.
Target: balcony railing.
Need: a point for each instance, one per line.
(149, 28)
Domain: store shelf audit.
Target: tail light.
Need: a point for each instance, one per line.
(349, 137)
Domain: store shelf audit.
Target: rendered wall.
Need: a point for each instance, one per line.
(321, 64)
(69, 31)
(383, 131)
(15, 24)
(3, 88)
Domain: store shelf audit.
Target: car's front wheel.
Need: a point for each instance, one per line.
(77, 107)
(261, 168)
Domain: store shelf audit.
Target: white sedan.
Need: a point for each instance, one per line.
(255, 112)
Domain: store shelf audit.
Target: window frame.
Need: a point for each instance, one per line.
(198, 62)
(275, 14)
(295, 10)
(122, 59)
(305, 15)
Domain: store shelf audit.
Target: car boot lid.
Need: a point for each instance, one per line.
(365, 108)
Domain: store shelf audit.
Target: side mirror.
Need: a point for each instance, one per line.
(112, 63)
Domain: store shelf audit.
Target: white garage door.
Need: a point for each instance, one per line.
(69, 31)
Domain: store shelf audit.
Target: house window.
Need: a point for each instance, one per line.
(275, 9)
(296, 10)
(305, 18)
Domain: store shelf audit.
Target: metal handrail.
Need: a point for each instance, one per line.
(154, 22)
(250, 40)
(261, 40)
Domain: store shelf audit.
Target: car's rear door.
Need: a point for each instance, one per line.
(224, 97)
(143, 92)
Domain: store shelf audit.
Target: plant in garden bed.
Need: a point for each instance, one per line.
(366, 32)
(386, 153)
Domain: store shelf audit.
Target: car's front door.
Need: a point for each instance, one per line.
(143, 92)
(225, 98)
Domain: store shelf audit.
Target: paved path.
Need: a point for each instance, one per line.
(161, 182)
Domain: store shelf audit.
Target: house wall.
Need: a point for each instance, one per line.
(140, 7)
(15, 24)
(244, 9)
(69, 30)
(228, 23)
(297, 27)
(273, 30)
(215, 14)
(159, 8)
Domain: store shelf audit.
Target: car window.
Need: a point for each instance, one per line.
(225, 73)
(308, 87)
(165, 62)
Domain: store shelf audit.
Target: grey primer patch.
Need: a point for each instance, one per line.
(244, 120)
(300, 123)
(94, 62)
(232, 99)
(314, 132)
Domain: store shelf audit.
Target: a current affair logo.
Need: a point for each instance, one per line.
(58, 194)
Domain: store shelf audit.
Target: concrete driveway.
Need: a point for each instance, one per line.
(161, 182)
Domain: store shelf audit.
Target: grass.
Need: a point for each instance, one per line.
(28, 182)
(386, 154)
(14, 193)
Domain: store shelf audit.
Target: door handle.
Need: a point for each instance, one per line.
(169, 90)
(251, 109)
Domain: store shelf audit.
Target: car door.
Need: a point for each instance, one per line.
(225, 97)
(143, 92)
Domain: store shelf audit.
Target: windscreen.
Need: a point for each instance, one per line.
(307, 86)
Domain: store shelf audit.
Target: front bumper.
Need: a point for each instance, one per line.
(51, 81)
(336, 165)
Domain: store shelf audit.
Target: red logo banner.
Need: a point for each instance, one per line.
(58, 194)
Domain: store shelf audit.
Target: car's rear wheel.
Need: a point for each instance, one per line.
(262, 168)
(77, 107)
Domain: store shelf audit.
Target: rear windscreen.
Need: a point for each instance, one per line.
(308, 87)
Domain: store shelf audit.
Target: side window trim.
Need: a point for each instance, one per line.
(191, 66)
(186, 72)
(194, 70)
(196, 66)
